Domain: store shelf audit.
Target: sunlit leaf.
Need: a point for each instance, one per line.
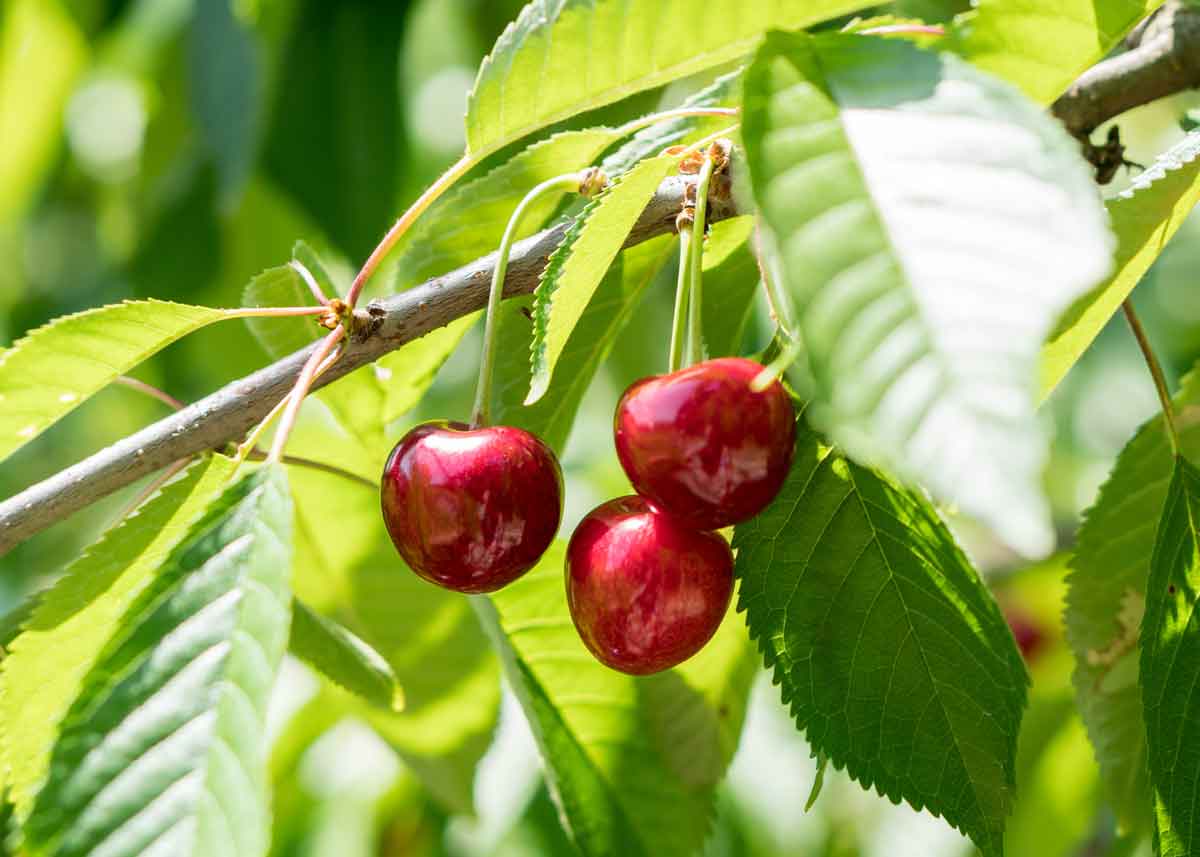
(1144, 218)
(77, 617)
(50, 371)
(932, 225)
(891, 654)
(632, 762)
(562, 57)
(163, 750)
(577, 266)
(1043, 45)
(1170, 667)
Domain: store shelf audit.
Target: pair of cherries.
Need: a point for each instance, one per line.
(648, 579)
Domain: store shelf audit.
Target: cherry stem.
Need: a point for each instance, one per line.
(667, 115)
(1156, 372)
(296, 397)
(311, 281)
(679, 322)
(320, 466)
(456, 171)
(149, 390)
(483, 391)
(274, 311)
(778, 300)
(695, 337)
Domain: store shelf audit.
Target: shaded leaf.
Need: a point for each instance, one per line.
(932, 225)
(163, 751)
(277, 287)
(731, 281)
(52, 369)
(632, 762)
(891, 654)
(75, 619)
(1170, 667)
(343, 658)
(1106, 597)
(1144, 218)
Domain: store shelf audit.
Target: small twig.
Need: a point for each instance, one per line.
(321, 466)
(1156, 372)
(310, 281)
(150, 390)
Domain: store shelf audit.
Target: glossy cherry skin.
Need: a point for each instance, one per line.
(645, 590)
(702, 445)
(471, 509)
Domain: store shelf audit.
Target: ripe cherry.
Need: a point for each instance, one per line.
(471, 509)
(646, 591)
(702, 445)
(1026, 631)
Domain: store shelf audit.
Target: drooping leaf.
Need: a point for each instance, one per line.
(932, 225)
(890, 652)
(615, 301)
(51, 370)
(428, 636)
(557, 58)
(1144, 218)
(343, 658)
(163, 750)
(1106, 598)
(77, 617)
(276, 287)
(1170, 667)
(1041, 46)
(632, 762)
(226, 91)
(577, 266)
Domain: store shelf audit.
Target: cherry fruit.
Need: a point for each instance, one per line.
(702, 445)
(646, 591)
(471, 509)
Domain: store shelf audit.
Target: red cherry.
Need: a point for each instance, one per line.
(702, 445)
(471, 509)
(646, 591)
(1026, 631)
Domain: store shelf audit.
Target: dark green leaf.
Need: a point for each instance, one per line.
(1170, 667)
(890, 652)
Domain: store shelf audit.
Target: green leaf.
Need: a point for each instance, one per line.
(428, 636)
(562, 57)
(1170, 667)
(163, 750)
(1106, 598)
(279, 337)
(1144, 218)
(1043, 45)
(890, 652)
(932, 225)
(577, 266)
(614, 303)
(343, 658)
(406, 373)
(632, 762)
(51, 370)
(76, 618)
(308, 257)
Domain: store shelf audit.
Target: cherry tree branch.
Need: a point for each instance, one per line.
(381, 327)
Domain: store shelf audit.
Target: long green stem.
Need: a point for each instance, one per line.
(695, 338)
(679, 323)
(1156, 372)
(483, 391)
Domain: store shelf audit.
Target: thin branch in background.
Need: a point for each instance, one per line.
(312, 464)
(153, 485)
(150, 390)
(1156, 372)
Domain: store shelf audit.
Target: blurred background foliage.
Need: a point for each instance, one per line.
(174, 148)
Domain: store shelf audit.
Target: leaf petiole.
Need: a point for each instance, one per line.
(1156, 372)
